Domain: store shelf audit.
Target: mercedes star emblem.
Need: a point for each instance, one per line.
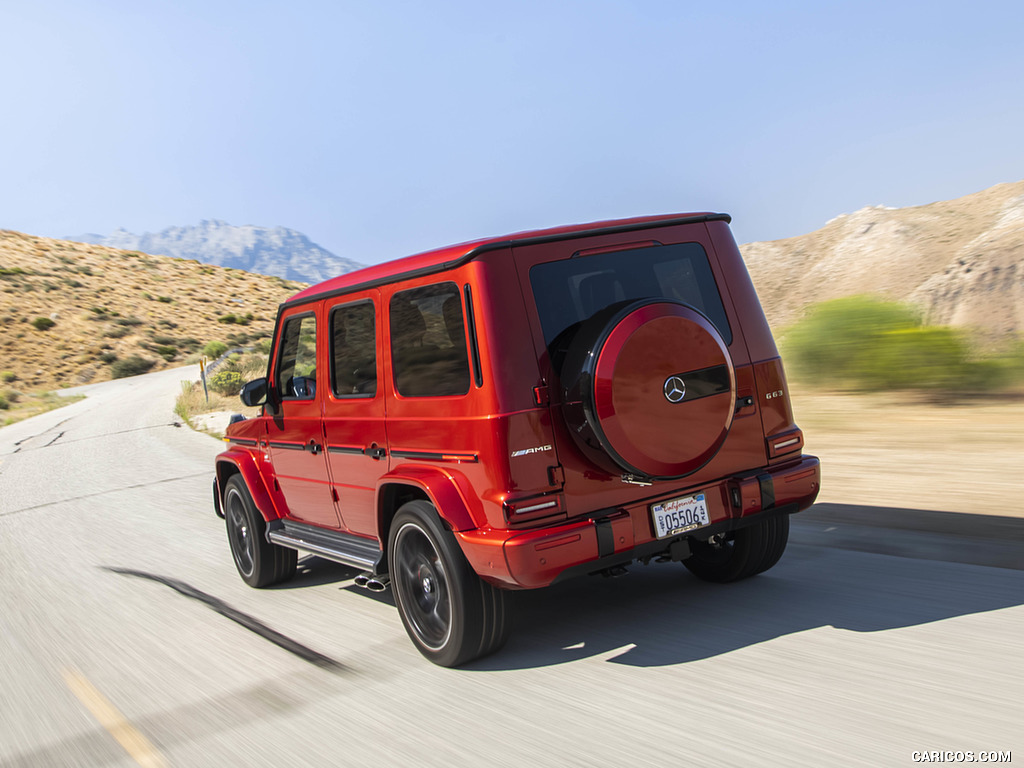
(674, 389)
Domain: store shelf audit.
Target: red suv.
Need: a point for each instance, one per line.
(511, 412)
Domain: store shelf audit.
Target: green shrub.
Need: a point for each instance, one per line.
(43, 323)
(232, 319)
(164, 299)
(4, 405)
(117, 332)
(126, 321)
(864, 343)
(12, 396)
(107, 357)
(226, 383)
(167, 351)
(215, 349)
(917, 358)
(130, 366)
(8, 376)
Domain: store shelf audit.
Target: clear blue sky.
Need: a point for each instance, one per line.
(385, 128)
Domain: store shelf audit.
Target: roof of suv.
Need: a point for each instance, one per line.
(452, 256)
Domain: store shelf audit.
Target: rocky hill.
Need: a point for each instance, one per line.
(71, 311)
(961, 261)
(267, 251)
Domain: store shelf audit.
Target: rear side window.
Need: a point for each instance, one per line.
(428, 342)
(569, 291)
(353, 350)
(296, 366)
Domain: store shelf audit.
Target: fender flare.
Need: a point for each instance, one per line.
(244, 464)
(441, 486)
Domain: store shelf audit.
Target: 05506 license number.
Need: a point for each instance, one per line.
(679, 515)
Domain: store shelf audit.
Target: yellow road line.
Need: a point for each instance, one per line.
(134, 743)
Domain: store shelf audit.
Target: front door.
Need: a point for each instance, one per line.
(295, 430)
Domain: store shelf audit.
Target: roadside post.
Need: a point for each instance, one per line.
(202, 374)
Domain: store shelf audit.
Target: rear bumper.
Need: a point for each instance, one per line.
(610, 537)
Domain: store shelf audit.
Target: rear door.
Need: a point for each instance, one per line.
(355, 440)
(295, 431)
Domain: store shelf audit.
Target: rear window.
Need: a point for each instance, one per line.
(569, 291)
(428, 342)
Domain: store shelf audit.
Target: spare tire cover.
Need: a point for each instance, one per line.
(649, 388)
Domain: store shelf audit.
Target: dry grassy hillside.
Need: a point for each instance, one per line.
(961, 261)
(108, 305)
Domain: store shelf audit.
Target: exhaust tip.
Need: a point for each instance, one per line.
(378, 583)
(363, 579)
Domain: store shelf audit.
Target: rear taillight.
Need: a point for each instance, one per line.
(788, 442)
(534, 508)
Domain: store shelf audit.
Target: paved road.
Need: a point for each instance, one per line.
(126, 637)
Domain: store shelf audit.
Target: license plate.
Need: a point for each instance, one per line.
(679, 515)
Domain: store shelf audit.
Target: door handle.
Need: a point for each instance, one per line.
(313, 447)
(374, 452)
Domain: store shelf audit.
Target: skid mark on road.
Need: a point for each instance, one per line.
(134, 743)
(19, 449)
(104, 493)
(58, 437)
(17, 445)
(249, 622)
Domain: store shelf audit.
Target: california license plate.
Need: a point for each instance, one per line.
(680, 515)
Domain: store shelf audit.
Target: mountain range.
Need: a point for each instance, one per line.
(961, 262)
(276, 251)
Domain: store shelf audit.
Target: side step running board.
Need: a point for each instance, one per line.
(340, 547)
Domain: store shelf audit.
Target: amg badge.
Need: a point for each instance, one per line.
(538, 449)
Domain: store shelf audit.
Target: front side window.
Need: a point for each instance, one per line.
(353, 350)
(428, 342)
(569, 291)
(296, 366)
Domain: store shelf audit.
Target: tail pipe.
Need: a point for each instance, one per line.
(373, 582)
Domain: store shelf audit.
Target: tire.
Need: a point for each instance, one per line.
(451, 615)
(259, 562)
(649, 388)
(753, 550)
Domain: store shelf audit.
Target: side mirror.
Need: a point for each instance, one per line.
(255, 392)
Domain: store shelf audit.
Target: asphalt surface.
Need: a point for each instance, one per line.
(127, 637)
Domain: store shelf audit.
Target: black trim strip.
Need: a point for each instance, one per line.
(705, 382)
(288, 446)
(430, 456)
(345, 449)
(767, 490)
(216, 499)
(499, 245)
(242, 441)
(605, 537)
(474, 347)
